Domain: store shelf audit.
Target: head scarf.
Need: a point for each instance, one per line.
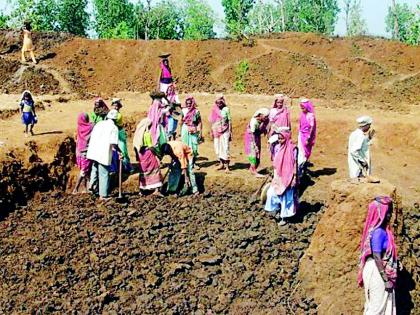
(192, 110)
(377, 212)
(171, 93)
(166, 70)
(262, 111)
(215, 114)
(27, 102)
(284, 163)
(84, 129)
(155, 115)
(280, 116)
(100, 108)
(307, 104)
(138, 139)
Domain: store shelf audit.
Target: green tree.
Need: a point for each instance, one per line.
(72, 16)
(199, 20)
(162, 21)
(265, 18)
(3, 20)
(408, 22)
(109, 14)
(356, 24)
(236, 14)
(317, 16)
(43, 14)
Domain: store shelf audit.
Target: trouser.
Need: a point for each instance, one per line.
(175, 173)
(99, 177)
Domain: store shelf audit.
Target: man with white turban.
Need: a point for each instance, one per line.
(358, 149)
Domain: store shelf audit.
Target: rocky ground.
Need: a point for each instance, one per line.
(215, 254)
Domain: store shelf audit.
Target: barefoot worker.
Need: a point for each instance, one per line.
(181, 166)
(378, 259)
(256, 127)
(27, 46)
(103, 140)
(358, 149)
(27, 110)
(282, 192)
(150, 178)
(192, 127)
(221, 131)
(84, 129)
(279, 113)
(165, 74)
(307, 134)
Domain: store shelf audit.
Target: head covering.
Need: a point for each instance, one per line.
(284, 163)
(262, 111)
(364, 120)
(192, 110)
(112, 114)
(23, 95)
(215, 114)
(141, 128)
(277, 97)
(307, 104)
(377, 212)
(116, 101)
(84, 128)
(165, 69)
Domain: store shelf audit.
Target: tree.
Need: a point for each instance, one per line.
(73, 17)
(43, 14)
(3, 20)
(109, 14)
(162, 21)
(356, 25)
(199, 20)
(408, 22)
(265, 18)
(236, 14)
(317, 16)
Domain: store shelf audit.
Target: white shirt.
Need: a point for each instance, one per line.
(358, 150)
(103, 136)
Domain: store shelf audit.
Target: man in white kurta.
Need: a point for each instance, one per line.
(358, 149)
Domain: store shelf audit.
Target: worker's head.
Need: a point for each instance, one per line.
(279, 101)
(27, 25)
(116, 103)
(165, 61)
(364, 123)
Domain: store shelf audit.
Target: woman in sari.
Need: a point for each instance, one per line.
(157, 114)
(221, 132)
(279, 113)
(307, 134)
(27, 109)
(100, 110)
(172, 115)
(84, 129)
(150, 178)
(378, 260)
(191, 128)
(282, 194)
(252, 138)
(165, 73)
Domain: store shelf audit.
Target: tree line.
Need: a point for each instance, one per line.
(195, 19)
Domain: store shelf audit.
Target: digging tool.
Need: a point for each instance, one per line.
(255, 195)
(120, 180)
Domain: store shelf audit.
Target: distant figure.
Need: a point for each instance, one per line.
(192, 127)
(221, 132)
(103, 141)
(84, 129)
(358, 150)
(27, 109)
(27, 46)
(100, 110)
(378, 260)
(281, 196)
(256, 127)
(172, 115)
(307, 134)
(165, 74)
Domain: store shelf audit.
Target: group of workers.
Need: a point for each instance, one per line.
(101, 149)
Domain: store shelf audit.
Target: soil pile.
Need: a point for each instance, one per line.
(19, 182)
(214, 254)
(329, 268)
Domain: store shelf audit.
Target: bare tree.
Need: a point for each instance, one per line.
(396, 26)
(347, 9)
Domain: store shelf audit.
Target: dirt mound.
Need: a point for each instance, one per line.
(329, 267)
(217, 254)
(20, 180)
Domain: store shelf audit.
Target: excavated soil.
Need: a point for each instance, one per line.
(218, 254)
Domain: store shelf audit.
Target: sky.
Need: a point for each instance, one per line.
(374, 12)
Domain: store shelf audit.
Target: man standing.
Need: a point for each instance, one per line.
(358, 150)
(103, 140)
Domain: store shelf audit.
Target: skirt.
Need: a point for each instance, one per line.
(28, 118)
(286, 202)
(149, 170)
(377, 300)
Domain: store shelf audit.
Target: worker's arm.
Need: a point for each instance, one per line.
(378, 261)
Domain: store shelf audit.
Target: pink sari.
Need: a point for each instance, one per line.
(307, 121)
(284, 164)
(149, 170)
(218, 126)
(155, 115)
